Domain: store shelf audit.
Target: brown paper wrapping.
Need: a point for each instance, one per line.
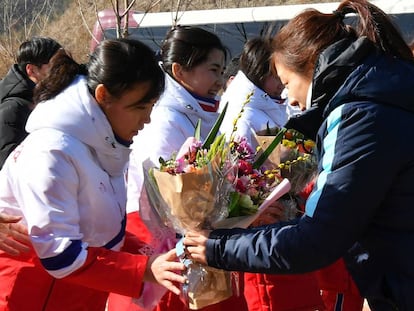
(215, 287)
(191, 198)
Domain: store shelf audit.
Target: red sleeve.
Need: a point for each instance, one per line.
(138, 228)
(132, 243)
(111, 271)
(137, 235)
(304, 194)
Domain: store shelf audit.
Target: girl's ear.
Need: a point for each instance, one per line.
(177, 71)
(101, 94)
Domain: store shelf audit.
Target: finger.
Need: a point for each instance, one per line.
(22, 238)
(5, 218)
(174, 277)
(170, 255)
(194, 240)
(195, 249)
(9, 250)
(11, 247)
(19, 233)
(270, 219)
(17, 246)
(20, 228)
(197, 254)
(274, 209)
(170, 286)
(175, 266)
(189, 240)
(199, 258)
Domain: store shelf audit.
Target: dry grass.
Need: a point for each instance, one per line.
(72, 28)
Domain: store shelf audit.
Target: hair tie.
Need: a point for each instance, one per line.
(339, 14)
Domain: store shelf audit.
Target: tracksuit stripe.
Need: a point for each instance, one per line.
(333, 122)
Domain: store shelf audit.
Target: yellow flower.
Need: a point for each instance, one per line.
(289, 143)
(309, 144)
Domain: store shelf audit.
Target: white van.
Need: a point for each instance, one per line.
(235, 26)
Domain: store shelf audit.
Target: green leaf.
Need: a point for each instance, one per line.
(197, 131)
(234, 204)
(216, 146)
(213, 132)
(263, 157)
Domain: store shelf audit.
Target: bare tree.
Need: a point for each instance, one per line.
(22, 19)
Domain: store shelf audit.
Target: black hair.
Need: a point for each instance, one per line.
(231, 68)
(188, 46)
(36, 51)
(118, 64)
(255, 60)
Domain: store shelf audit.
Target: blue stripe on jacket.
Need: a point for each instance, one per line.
(69, 255)
(329, 143)
(64, 259)
(118, 238)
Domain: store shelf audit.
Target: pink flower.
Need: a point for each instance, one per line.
(190, 146)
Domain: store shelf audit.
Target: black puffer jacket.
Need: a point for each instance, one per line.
(362, 206)
(16, 92)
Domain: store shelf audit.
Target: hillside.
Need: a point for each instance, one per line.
(71, 21)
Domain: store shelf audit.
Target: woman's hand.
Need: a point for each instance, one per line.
(13, 236)
(274, 213)
(195, 243)
(163, 269)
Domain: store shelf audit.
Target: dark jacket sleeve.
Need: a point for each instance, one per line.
(347, 193)
(13, 117)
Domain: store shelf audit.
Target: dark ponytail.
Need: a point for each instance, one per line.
(63, 69)
(377, 26)
(301, 41)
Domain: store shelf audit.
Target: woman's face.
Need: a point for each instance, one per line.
(205, 79)
(128, 114)
(296, 84)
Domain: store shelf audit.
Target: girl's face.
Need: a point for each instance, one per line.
(296, 84)
(127, 114)
(273, 86)
(205, 79)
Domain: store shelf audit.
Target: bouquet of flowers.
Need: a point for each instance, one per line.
(206, 185)
(298, 160)
(264, 138)
(295, 160)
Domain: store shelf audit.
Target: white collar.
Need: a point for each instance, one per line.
(309, 97)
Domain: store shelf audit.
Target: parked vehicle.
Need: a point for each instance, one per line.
(234, 26)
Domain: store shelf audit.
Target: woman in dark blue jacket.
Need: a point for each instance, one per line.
(357, 89)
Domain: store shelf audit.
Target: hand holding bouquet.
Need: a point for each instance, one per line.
(203, 186)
